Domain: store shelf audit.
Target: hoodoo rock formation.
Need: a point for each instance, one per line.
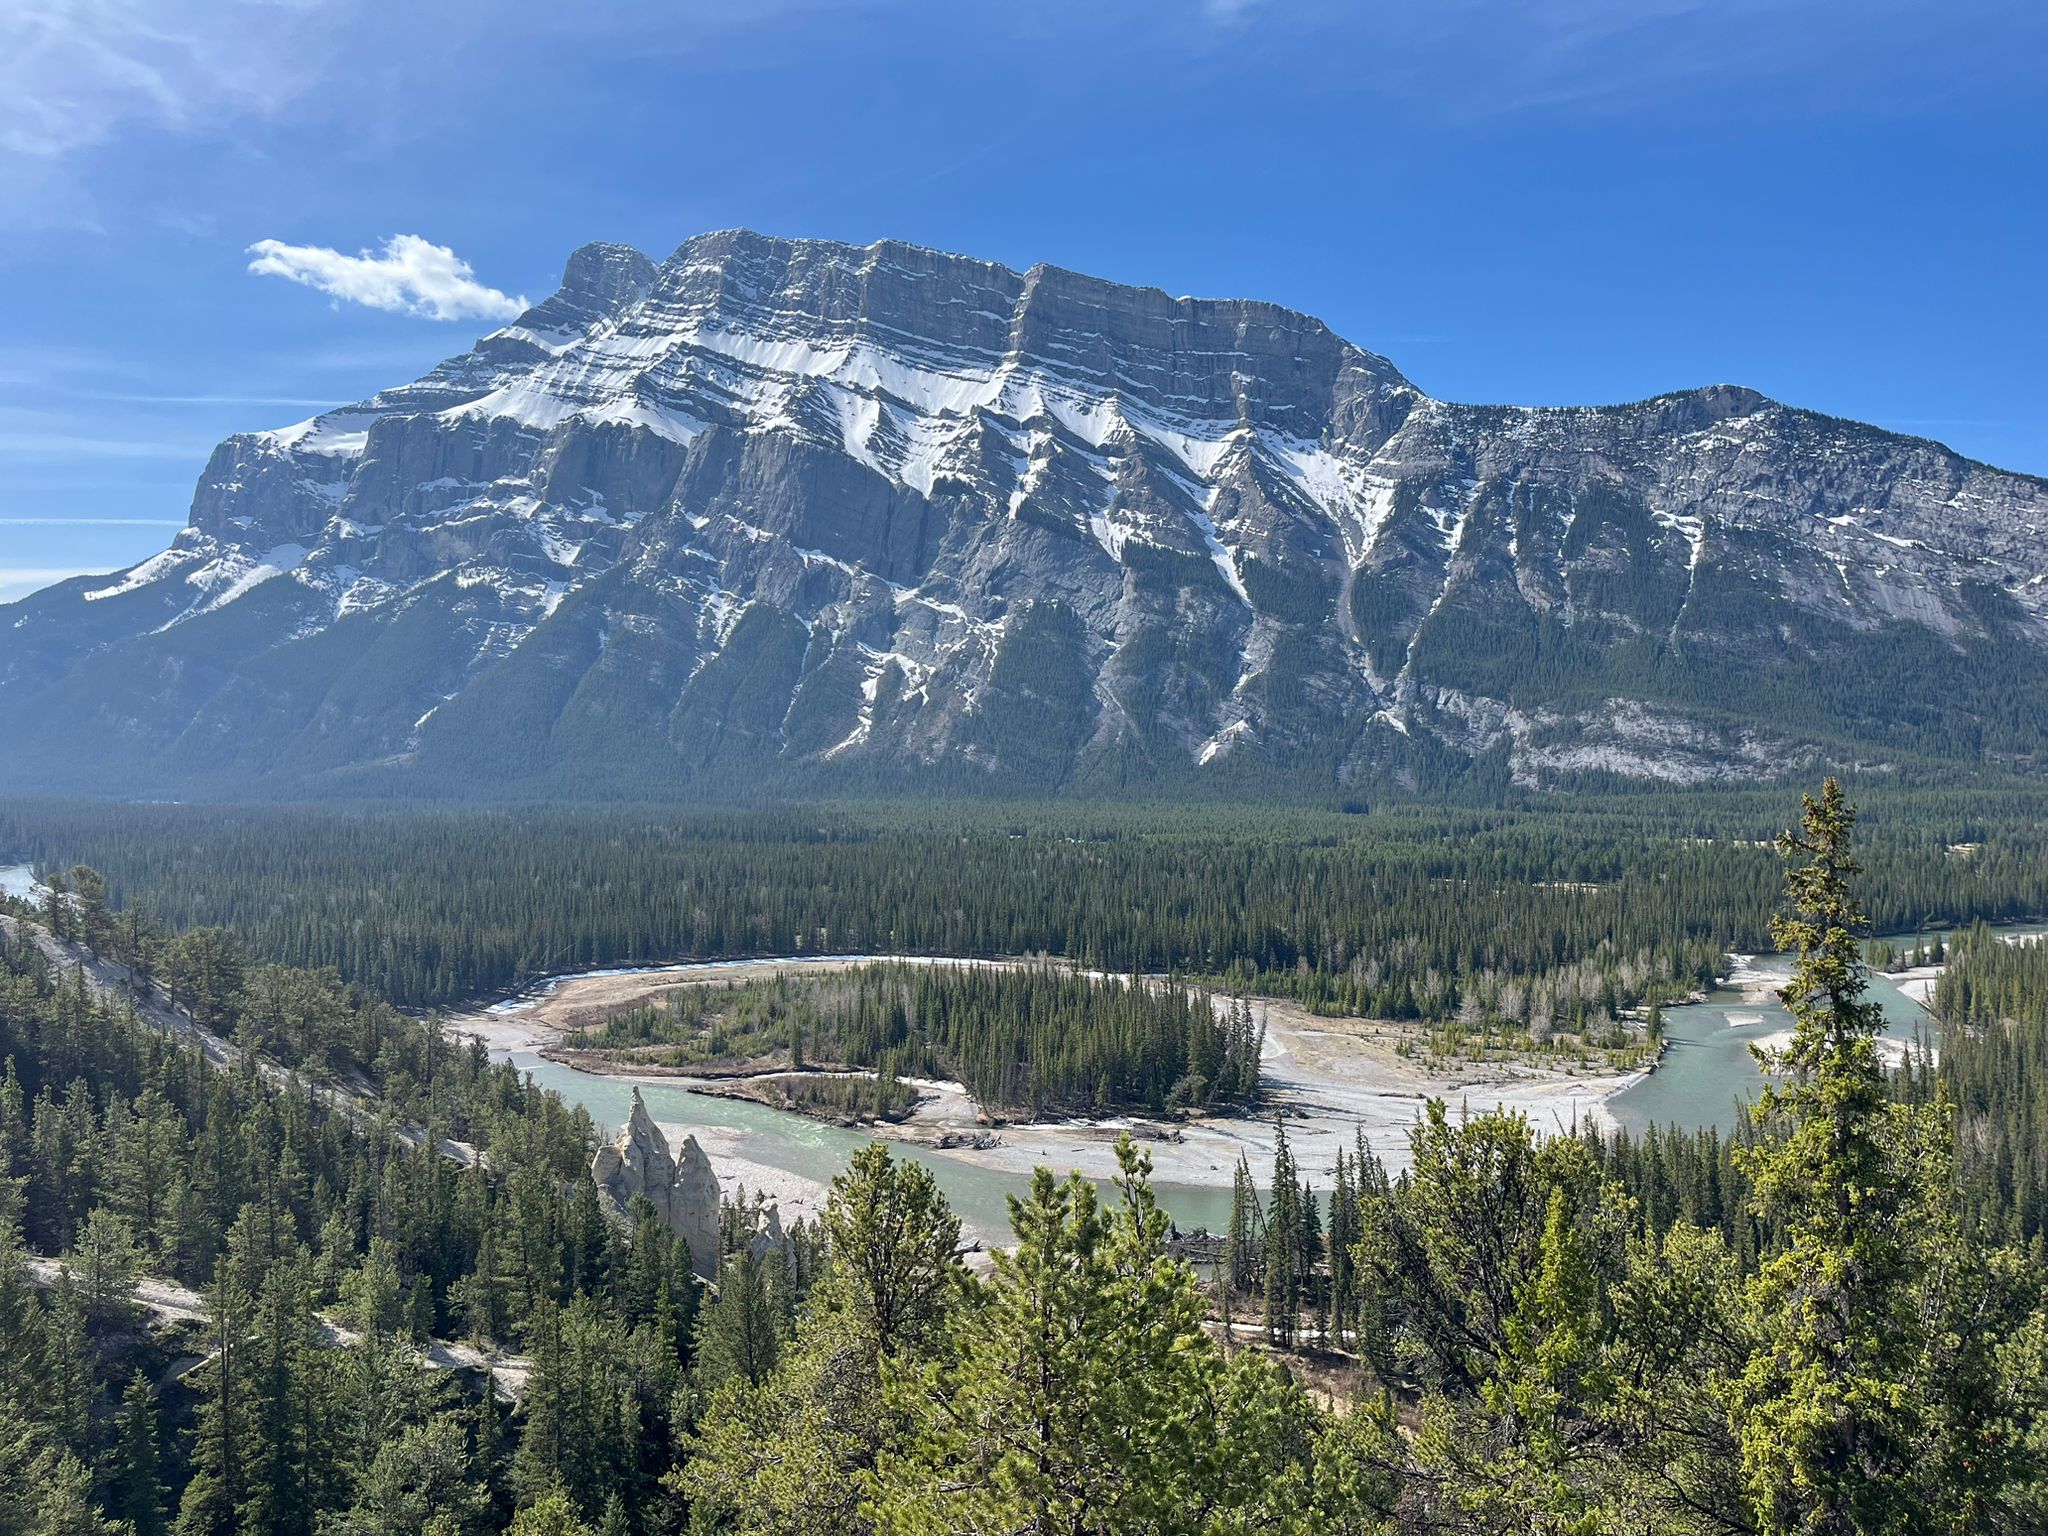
(683, 1190)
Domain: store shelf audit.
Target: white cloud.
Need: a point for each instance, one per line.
(412, 277)
(72, 72)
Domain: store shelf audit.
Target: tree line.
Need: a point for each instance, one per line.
(1543, 922)
(1559, 1334)
(1022, 1039)
(1992, 1001)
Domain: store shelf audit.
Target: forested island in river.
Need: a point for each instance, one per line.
(255, 1197)
(1195, 768)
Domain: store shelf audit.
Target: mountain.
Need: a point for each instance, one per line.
(785, 514)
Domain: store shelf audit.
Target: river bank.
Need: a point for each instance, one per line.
(1328, 1081)
(1707, 1075)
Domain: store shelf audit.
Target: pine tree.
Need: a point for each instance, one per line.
(1529, 1453)
(103, 1264)
(1309, 1255)
(1246, 1240)
(377, 1383)
(62, 1490)
(582, 1406)
(285, 1446)
(893, 1240)
(136, 1494)
(1022, 1454)
(1281, 1262)
(482, 1297)
(1343, 1234)
(66, 1389)
(739, 1335)
(219, 1447)
(551, 1514)
(1085, 1397)
(1827, 1432)
(420, 1482)
(788, 1456)
(89, 905)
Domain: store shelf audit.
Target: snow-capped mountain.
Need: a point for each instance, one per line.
(776, 513)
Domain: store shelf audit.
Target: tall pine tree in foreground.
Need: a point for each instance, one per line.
(1865, 1407)
(1082, 1397)
(786, 1456)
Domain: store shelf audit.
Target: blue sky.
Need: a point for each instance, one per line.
(1842, 204)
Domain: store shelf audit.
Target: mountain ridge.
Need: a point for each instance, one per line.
(813, 516)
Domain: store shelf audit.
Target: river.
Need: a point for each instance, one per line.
(1707, 1072)
(815, 1152)
(1705, 1077)
(738, 1133)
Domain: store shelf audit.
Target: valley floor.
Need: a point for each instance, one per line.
(1326, 1079)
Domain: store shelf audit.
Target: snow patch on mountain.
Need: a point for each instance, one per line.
(1001, 490)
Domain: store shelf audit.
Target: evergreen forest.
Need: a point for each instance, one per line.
(279, 1256)
(1555, 917)
(1033, 1039)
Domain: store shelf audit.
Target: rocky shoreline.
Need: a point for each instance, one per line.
(1327, 1080)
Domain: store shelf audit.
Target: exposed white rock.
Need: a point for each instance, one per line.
(682, 1189)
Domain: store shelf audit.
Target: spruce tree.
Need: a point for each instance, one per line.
(1343, 1233)
(103, 1264)
(136, 1494)
(220, 1437)
(1285, 1239)
(739, 1335)
(1826, 1421)
(1246, 1238)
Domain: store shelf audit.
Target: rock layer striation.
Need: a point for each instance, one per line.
(778, 514)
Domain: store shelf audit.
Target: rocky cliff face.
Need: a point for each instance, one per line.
(683, 1190)
(790, 514)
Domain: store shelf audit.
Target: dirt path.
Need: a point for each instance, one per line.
(109, 982)
(166, 1302)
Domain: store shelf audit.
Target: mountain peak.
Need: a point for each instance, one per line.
(795, 513)
(599, 279)
(607, 271)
